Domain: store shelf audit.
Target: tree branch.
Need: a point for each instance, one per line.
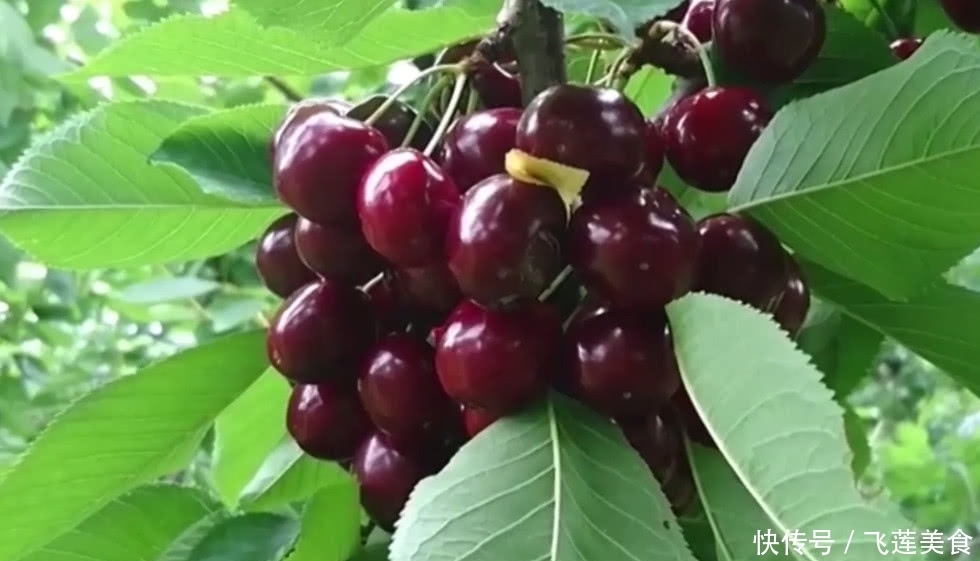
(537, 33)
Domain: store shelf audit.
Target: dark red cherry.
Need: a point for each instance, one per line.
(326, 422)
(476, 419)
(621, 363)
(277, 261)
(656, 442)
(475, 146)
(319, 163)
(793, 304)
(964, 13)
(590, 307)
(654, 162)
(404, 202)
(395, 122)
(401, 392)
(698, 19)
(336, 251)
(596, 129)
(635, 250)
(299, 112)
(499, 360)
(741, 259)
(428, 290)
(321, 333)
(496, 86)
(708, 134)
(772, 41)
(503, 243)
(386, 477)
(685, 416)
(905, 47)
(390, 311)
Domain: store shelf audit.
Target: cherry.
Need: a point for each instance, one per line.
(428, 290)
(686, 416)
(636, 250)
(657, 443)
(740, 259)
(595, 129)
(401, 392)
(394, 122)
(793, 304)
(326, 422)
(299, 112)
(496, 87)
(321, 333)
(655, 150)
(698, 19)
(387, 304)
(475, 419)
(905, 47)
(386, 477)
(708, 134)
(319, 162)
(404, 202)
(475, 146)
(503, 242)
(964, 13)
(772, 41)
(276, 260)
(621, 363)
(590, 307)
(498, 360)
(336, 251)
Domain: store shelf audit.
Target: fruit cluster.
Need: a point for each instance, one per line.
(418, 268)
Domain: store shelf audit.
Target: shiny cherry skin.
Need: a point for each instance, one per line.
(658, 443)
(793, 304)
(475, 146)
(319, 163)
(428, 291)
(635, 250)
(389, 309)
(401, 392)
(277, 261)
(905, 47)
(475, 419)
(964, 13)
(503, 243)
(496, 87)
(498, 360)
(386, 477)
(769, 41)
(621, 363)
(336, 251)
(708, 134)
(395, 122)
(590, 307)
(698, 19)
(596, 129)
(654, 162)
(321, 333)
(326, 422)
(404, 202)
(299, 112)
(741, 259)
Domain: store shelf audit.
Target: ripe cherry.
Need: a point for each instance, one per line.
(404, 202)
(698, 19)
(401, 392)
(964, 13)
(428, 291)
(389, 308)
(635, 250)
(498, 360)
(496, 87)
(475, 419)
(708, 134)
(321, 333)
(475, 146)
(336, 251)
(299, 112)
(326, 422)
(772, 41)
(503, 242)
(276, 259)
(905, 47)
(595, 129)
(656, 442)
(590, 307)
(740, 259)
(395, 122)
(386, 477)
(654, 161)
(793, 304)
(621, 363)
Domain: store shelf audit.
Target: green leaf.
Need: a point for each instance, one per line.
(227, 152)
(120, 436)
(233, 44)
(287, 476)
(84, 196)
(699, 534)
(156, 291)
(649, 88)
(138, 525)
(930, 17)
(624, 15)
(331, 525)
(181, 547)
(840, 176)
(937, 324)
(372, 552)
(842, 348)
(331, 22)
(892, 18)
(776, 424)
(554, 483)
(256, 536)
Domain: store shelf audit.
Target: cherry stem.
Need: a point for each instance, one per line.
(593, 66)
(596, 40)
(615, 68)
(555, 284)
(449, 114)
(685, 36)
(455, 68)
(423, 107)
(472, 99)
(374, 281)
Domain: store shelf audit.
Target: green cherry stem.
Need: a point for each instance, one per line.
(456, 69)
(593, 66)
(555, 284)
(449, 114)
(423, 108)
(598, 40)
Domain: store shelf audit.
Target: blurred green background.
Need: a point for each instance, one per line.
(63, 332)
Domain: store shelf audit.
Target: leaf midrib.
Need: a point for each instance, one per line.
(556, 462)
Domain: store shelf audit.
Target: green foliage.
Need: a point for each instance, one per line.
(331, 24)
(624, 15)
